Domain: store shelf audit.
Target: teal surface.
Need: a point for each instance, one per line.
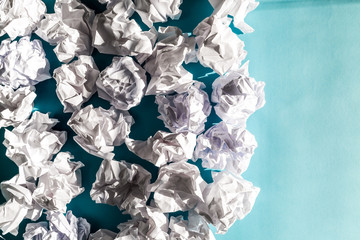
(307, 163)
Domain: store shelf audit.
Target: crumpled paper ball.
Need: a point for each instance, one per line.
(149, 223)
(236, 8)
(218, 47)
(69, 28)
(165, 63)
(187, 111)
(114, 33)
(153, 11)
(121, 184)
(59, 227)
(16, 19)
(99, 130)
(194, 228)
(123, 83)
(223, 147)
(178, 187)
(237, 96)
(75, 82)
(33, 143)
(15, 105)
(227, 199)
(60, 184)
(23, 63)
(164, 147)
(19, 203)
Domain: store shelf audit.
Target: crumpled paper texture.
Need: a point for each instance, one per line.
(99, 130)
(69, 28)
(15, 105)
(149, 223)
(187, 111)
(33, 143)
(26, 195)
(114, 33)
(16, 19)
(20, 203)
(123, 83)
(195, 228)
(75, 82)
(223, 147)
(165, 63)
(12, 213)
(236, 8)
(237, 96)
(60, 184)
(153, 11)
(60, 227)
(218, 47)
(23, 63)
(102, 234)
(121, 184)
(227, 199)
(178, 187)
(183, 106)
(164, 147)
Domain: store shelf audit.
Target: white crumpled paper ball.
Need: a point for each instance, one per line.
(187, 111)
(99, 130)
(23, 63)
(123, 83)
(237, 96)
(15, 105)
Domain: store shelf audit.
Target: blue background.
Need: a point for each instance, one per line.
(307, 163)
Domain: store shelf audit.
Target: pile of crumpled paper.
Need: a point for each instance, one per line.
(148, 62)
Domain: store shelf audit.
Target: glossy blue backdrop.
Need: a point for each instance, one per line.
(307, 163)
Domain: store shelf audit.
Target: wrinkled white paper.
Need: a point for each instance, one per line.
(164, 147)
(20, 203)
(20, 17)
(69, 28)
(165, 64)
(236, 8)
(195, 228)
(237, 96)
(15, 105)
(121, 184)
(26, 195)
(125, 8)
(187, 111)
(183, 106)
(227, 199)
(218, 47)
(22, 63)
(60, 227)
(178, 187)
(123, 83)
(102, 234)
(222, 147)
(114, 33)
(149, 223)
(153, 11)
(11, 215)
(60, 184)
(75, 82)
(33, 143)
(99, 130)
